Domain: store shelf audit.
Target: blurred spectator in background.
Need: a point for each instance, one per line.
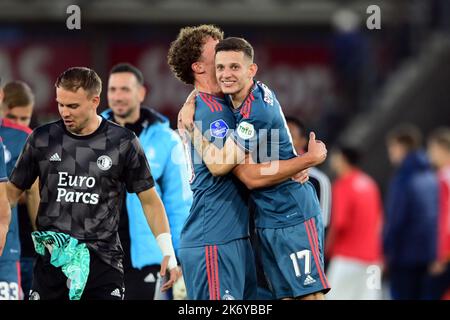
(319, 179)
(353, 241)
(165, 153)
(409, 236)
(439, 152)
(17, 106)
(18, 102)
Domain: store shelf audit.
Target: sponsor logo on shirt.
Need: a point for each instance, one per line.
(104, 162)
(228, 296)
(116, 293)
(308, 280)
(245, 130)
(67, 195)
(268, 95)
(34, 295)
(219, 129)
(150, 278)
(55, 157)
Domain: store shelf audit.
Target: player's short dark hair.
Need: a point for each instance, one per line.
(128, 67)
(441, 136)
(80, 77)
(407, 135)
(298, 123)
(17, 94)
(236, 44)
(350, 153)
(187, 49)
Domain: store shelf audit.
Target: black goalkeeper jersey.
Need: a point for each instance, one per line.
(82, 182)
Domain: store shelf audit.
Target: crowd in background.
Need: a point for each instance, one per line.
(392, 246)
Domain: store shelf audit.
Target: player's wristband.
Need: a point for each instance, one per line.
(165, 244)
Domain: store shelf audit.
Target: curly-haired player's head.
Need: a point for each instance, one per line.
(193, 52)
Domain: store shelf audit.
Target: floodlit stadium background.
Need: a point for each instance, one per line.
(346, 82)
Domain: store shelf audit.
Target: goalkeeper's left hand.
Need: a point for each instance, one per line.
(179, 289)
(174, 274)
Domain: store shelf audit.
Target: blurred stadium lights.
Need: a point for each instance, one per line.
(326, 77)
(346, 20)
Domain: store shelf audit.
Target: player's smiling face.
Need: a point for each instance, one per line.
(125, 93)
(234, 72)
(77, 109)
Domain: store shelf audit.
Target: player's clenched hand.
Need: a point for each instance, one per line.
(302, 176)
(186, 114)
(316, 149)
(174, 273)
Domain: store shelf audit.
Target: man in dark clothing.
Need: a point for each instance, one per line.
(84, 164)
(409, 239)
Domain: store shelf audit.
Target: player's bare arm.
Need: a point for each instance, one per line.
(232, 157)
(5, 216)
(157, 220)
(187, 112)
(219, 161)
(13, 193)
(32, 201)
(271, 173)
